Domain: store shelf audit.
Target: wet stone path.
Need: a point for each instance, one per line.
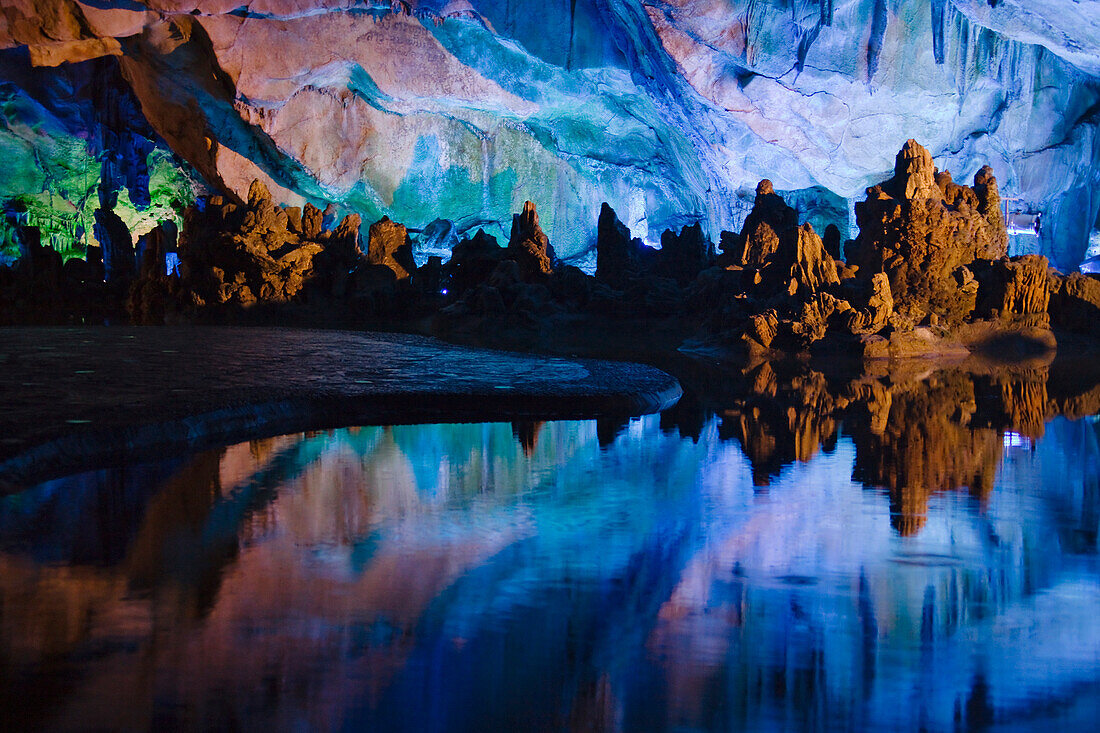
(72, 398)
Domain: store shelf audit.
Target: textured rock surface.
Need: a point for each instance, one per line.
(255, 252)
(1075, 303)
(1016, 288)
(922, 230)
(388, 245)
(804, 263)
(759, 239)
(927, 275)
(875, 316)
(529, 246)
(669, 111)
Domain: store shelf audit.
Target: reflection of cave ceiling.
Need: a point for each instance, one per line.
(671, 110)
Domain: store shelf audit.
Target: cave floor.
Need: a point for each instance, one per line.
(75, 397)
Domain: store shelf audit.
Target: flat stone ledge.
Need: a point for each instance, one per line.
(76, 398)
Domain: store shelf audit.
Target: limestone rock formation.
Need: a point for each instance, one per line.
(248, 253)
(472, 262)
(989, 206)
(243, 254)
(619, 258)
(528, 245)
(921, 228)
(770, 217)
(875, 315)
(117, 245)
(507, 295)
(788, 282)
(1075, 303)
(622, 262)
(803, 263)
(388, 245)
(928, 262)
(683, 256)
(311, 223)
(1017, 288)
(762, 330)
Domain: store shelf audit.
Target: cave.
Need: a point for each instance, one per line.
(573, 365)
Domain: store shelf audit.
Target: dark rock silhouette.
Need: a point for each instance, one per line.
(472, 261)
(118, 246)
(831, 238)
(619, 258)
(41, 288)
(1075, 303)
(683, 256)
(514, 283)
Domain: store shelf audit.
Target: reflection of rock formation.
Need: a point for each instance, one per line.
(928, 444)
(424, 577)
(781, 422)
(219, 549)
(915, 435)
(527, 433)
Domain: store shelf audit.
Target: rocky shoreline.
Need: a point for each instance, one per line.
(927, 276)
(75, 398)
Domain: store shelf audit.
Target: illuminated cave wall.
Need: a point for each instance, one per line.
(670, 110)
(65, 134)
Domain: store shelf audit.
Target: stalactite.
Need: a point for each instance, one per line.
(878, 32)
(939, 16)
(804, 45)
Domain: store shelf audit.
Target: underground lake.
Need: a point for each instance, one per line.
(903, 553)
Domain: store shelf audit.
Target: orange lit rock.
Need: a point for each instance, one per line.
(920, 228)
(528, 245)
(388, 245)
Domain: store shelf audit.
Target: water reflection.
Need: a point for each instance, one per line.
(783, 550)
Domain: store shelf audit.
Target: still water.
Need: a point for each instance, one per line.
(914, 555)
